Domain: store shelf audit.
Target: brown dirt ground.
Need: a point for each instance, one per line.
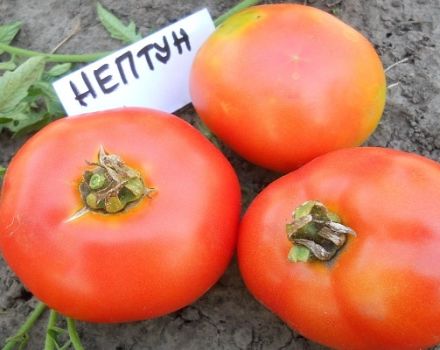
(227, 317)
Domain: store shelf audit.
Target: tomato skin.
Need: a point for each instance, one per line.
(153, 259)
(382, 290)
(282, 84)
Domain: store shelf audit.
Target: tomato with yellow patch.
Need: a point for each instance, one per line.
(281, 84)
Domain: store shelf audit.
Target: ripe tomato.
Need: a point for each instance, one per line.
(282, 84)
(382, 289)
(158, 254)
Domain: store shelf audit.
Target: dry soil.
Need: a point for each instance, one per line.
(227, 317)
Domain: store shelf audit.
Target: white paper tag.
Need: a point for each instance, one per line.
(153, 72)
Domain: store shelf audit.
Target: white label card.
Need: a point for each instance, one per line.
(153, 72)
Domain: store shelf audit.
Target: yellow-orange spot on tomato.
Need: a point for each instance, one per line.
(237, 24)
(226, 107)
(295, 58)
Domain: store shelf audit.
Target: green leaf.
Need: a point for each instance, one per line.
(2, 170)
(8, 32)
(299, 254)
(32, 126)
(23, 116)
(126, 34)
(45, 90)
(17, 121)
(14, 85)
(4, 120)
(54, 108)
(8, 65)
(59, 69)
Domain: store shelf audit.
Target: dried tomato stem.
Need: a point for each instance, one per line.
(110, 185)
(316, 233)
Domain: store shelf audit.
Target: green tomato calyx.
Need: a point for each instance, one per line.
(316, 233)
(110, 186)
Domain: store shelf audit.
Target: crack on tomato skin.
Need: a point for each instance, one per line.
(13, 226)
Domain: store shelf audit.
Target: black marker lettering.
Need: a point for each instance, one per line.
(184, 39)
(145, 51)
(126, 56)
(180, 40)
(81, 96)
(104, 80)
(165, 49)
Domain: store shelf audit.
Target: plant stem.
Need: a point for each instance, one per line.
(50, 342)
(25, 327)
(59, 58)
(237, 8)
(73, 334)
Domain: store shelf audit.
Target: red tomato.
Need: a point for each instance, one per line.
(282, 84)
(382, 290)
(149, 259)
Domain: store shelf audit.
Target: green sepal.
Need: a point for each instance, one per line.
(299, 254)
(97, 181)
(136, 187)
